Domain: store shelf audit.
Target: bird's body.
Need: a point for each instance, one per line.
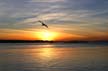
(43, 24)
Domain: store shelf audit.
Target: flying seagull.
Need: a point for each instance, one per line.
(43, 24)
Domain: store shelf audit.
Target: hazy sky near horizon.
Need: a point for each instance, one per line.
(85, 18)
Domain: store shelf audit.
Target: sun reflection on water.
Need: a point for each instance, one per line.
(45, 56)
(47, 52)
(48, 55)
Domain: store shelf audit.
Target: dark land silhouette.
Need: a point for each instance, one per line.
(41, 41)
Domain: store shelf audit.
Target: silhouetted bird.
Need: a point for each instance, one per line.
(43, 24)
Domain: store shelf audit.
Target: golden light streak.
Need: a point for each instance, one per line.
(46, 35)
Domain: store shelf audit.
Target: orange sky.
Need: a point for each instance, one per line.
(49, 35)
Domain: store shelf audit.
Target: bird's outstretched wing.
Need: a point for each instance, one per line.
(43, 24)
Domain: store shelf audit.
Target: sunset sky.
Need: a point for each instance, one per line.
(67, 19)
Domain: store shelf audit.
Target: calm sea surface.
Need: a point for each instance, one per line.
(53, 57)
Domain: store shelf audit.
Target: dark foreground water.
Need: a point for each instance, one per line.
(53, 57)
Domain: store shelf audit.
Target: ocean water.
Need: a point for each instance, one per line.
(53, 57)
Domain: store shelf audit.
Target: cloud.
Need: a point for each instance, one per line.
(69, 16)
(47, 1)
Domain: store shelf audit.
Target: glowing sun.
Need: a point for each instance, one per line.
(46, 35)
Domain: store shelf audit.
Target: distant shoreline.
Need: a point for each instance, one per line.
(40, 41)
